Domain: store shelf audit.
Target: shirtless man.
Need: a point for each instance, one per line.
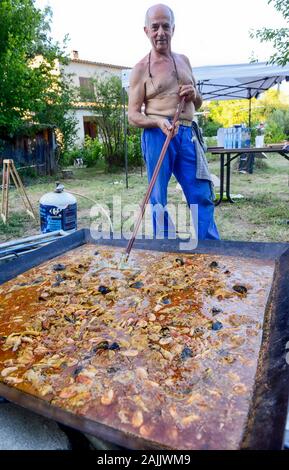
(157, 82)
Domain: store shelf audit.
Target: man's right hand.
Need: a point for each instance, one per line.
(166, 126)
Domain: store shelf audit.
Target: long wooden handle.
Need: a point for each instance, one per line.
(154, 177)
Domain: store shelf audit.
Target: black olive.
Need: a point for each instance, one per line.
(216, 310)
(59, 267)
(56, 284)
(137, 285)
(217, 325)
(186, 353)
(69, 319)
(96, 253)
(180, 261)
(77, 371)
(240, 289)
(38, 280)
(103, 290)
(166, 301)
(214, 264)
(114, 346)
(165, 331)
(227, 271)
(113, 370)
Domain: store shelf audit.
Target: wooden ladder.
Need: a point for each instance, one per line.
(9, 169)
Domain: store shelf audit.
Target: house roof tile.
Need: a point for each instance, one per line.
(101, 64)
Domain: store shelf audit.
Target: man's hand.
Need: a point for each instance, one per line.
(189, 91)
(166, 126)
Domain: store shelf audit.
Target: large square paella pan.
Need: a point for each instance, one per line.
(177, 350)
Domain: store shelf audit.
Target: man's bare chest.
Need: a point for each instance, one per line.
(165, 79)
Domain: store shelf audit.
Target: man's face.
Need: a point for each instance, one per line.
(160, 29)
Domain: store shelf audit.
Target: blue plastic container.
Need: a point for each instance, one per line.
(58, 211)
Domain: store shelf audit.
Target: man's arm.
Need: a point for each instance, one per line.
(198, 101)
(136, 99)
(190, 91)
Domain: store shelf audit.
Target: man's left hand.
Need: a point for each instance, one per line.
(189, 91)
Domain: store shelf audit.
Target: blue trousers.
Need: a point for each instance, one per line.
(180, 160)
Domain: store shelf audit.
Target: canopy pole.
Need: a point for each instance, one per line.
(250, 107)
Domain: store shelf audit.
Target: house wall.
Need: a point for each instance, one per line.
(81, 68)
(89, 70)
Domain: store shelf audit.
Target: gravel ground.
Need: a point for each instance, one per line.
(23, 430)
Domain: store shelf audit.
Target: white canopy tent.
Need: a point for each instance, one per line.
(237, 81)
(234, 81)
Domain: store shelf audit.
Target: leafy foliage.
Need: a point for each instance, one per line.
(90, 151)
(278, 37)
(209, 125)
(227, 113)
(108, 112)
(32, 90)
(134, 147)
(277, 126)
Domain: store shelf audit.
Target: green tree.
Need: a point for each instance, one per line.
(108, 112)
(208, 125)
(278, 37)
(32, 89)
(277, 126)
(230, 112)
(134, 146)
(271, 101)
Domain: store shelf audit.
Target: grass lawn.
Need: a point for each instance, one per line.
(263, 214)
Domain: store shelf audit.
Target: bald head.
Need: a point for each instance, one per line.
(160, 7)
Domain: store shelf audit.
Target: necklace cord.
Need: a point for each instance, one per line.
(175, 66)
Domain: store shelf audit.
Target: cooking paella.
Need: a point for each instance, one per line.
(165, 348)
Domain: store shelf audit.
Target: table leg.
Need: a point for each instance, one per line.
(228, 178)
(222, 164)
(284, 154)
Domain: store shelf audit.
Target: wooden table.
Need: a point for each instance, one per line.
(231, 154)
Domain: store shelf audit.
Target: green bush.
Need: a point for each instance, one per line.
(277, 127)
(90, 151)
(67, 158)
(211, 141)
(134, 149)
(274, 134)
(210, 128)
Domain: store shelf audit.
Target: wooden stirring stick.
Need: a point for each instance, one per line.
(154, 177)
